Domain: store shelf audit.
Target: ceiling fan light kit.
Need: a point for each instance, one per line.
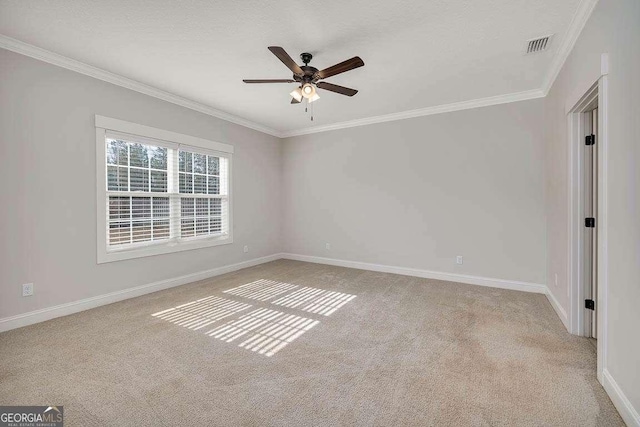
(309, 77)
(297, 94)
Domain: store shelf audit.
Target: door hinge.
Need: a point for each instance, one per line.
(590, 140)
(589, 304)
(590, 222)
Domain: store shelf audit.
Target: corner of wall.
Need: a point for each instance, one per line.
(557, 307)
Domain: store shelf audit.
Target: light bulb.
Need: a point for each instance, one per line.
(308, 90)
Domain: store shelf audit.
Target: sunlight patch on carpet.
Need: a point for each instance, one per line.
(200, 313)
(313, 300)
(264, 331)
(261, 290)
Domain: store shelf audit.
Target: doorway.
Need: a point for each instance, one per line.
(588, 219)
(584, 218)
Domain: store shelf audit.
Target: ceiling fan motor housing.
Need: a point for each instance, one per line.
(309, 75)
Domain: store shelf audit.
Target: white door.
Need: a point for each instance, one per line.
(594, 231)
(590, 210)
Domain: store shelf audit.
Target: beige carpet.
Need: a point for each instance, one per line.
(310, 345)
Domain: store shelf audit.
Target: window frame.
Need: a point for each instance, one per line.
(158, 137)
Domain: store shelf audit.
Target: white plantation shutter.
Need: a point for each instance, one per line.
(163, 193)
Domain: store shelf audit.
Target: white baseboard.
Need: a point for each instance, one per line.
(562, 314)
(628, 413)
(405, 271)
(48, 313)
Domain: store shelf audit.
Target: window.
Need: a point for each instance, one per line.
(159, 192)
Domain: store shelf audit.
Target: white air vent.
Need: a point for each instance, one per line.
(538, 45)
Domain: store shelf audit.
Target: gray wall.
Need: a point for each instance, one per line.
(412, 193)
(613, 28)
(47, 182)
(417, 192)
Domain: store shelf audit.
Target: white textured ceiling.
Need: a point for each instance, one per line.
(417, 53)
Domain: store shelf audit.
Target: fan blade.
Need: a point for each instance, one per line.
(342, 67)
(294, 101)
(337, 89)
(286, 59)
(270, 81)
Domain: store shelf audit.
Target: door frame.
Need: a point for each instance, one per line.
(598, 90)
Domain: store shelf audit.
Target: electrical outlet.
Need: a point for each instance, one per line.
(328, 246)
(27, 289)
(459, 260)
(246, 249)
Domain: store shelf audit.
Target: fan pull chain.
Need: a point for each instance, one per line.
(306, 107)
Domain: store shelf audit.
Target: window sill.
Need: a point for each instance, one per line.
(105, 256)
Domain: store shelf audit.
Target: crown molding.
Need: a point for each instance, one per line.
(35, 52)
(438, 109)
(107, 76)
(580, 18)
(578, 22)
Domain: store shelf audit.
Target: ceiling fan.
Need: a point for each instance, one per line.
(309, 77)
